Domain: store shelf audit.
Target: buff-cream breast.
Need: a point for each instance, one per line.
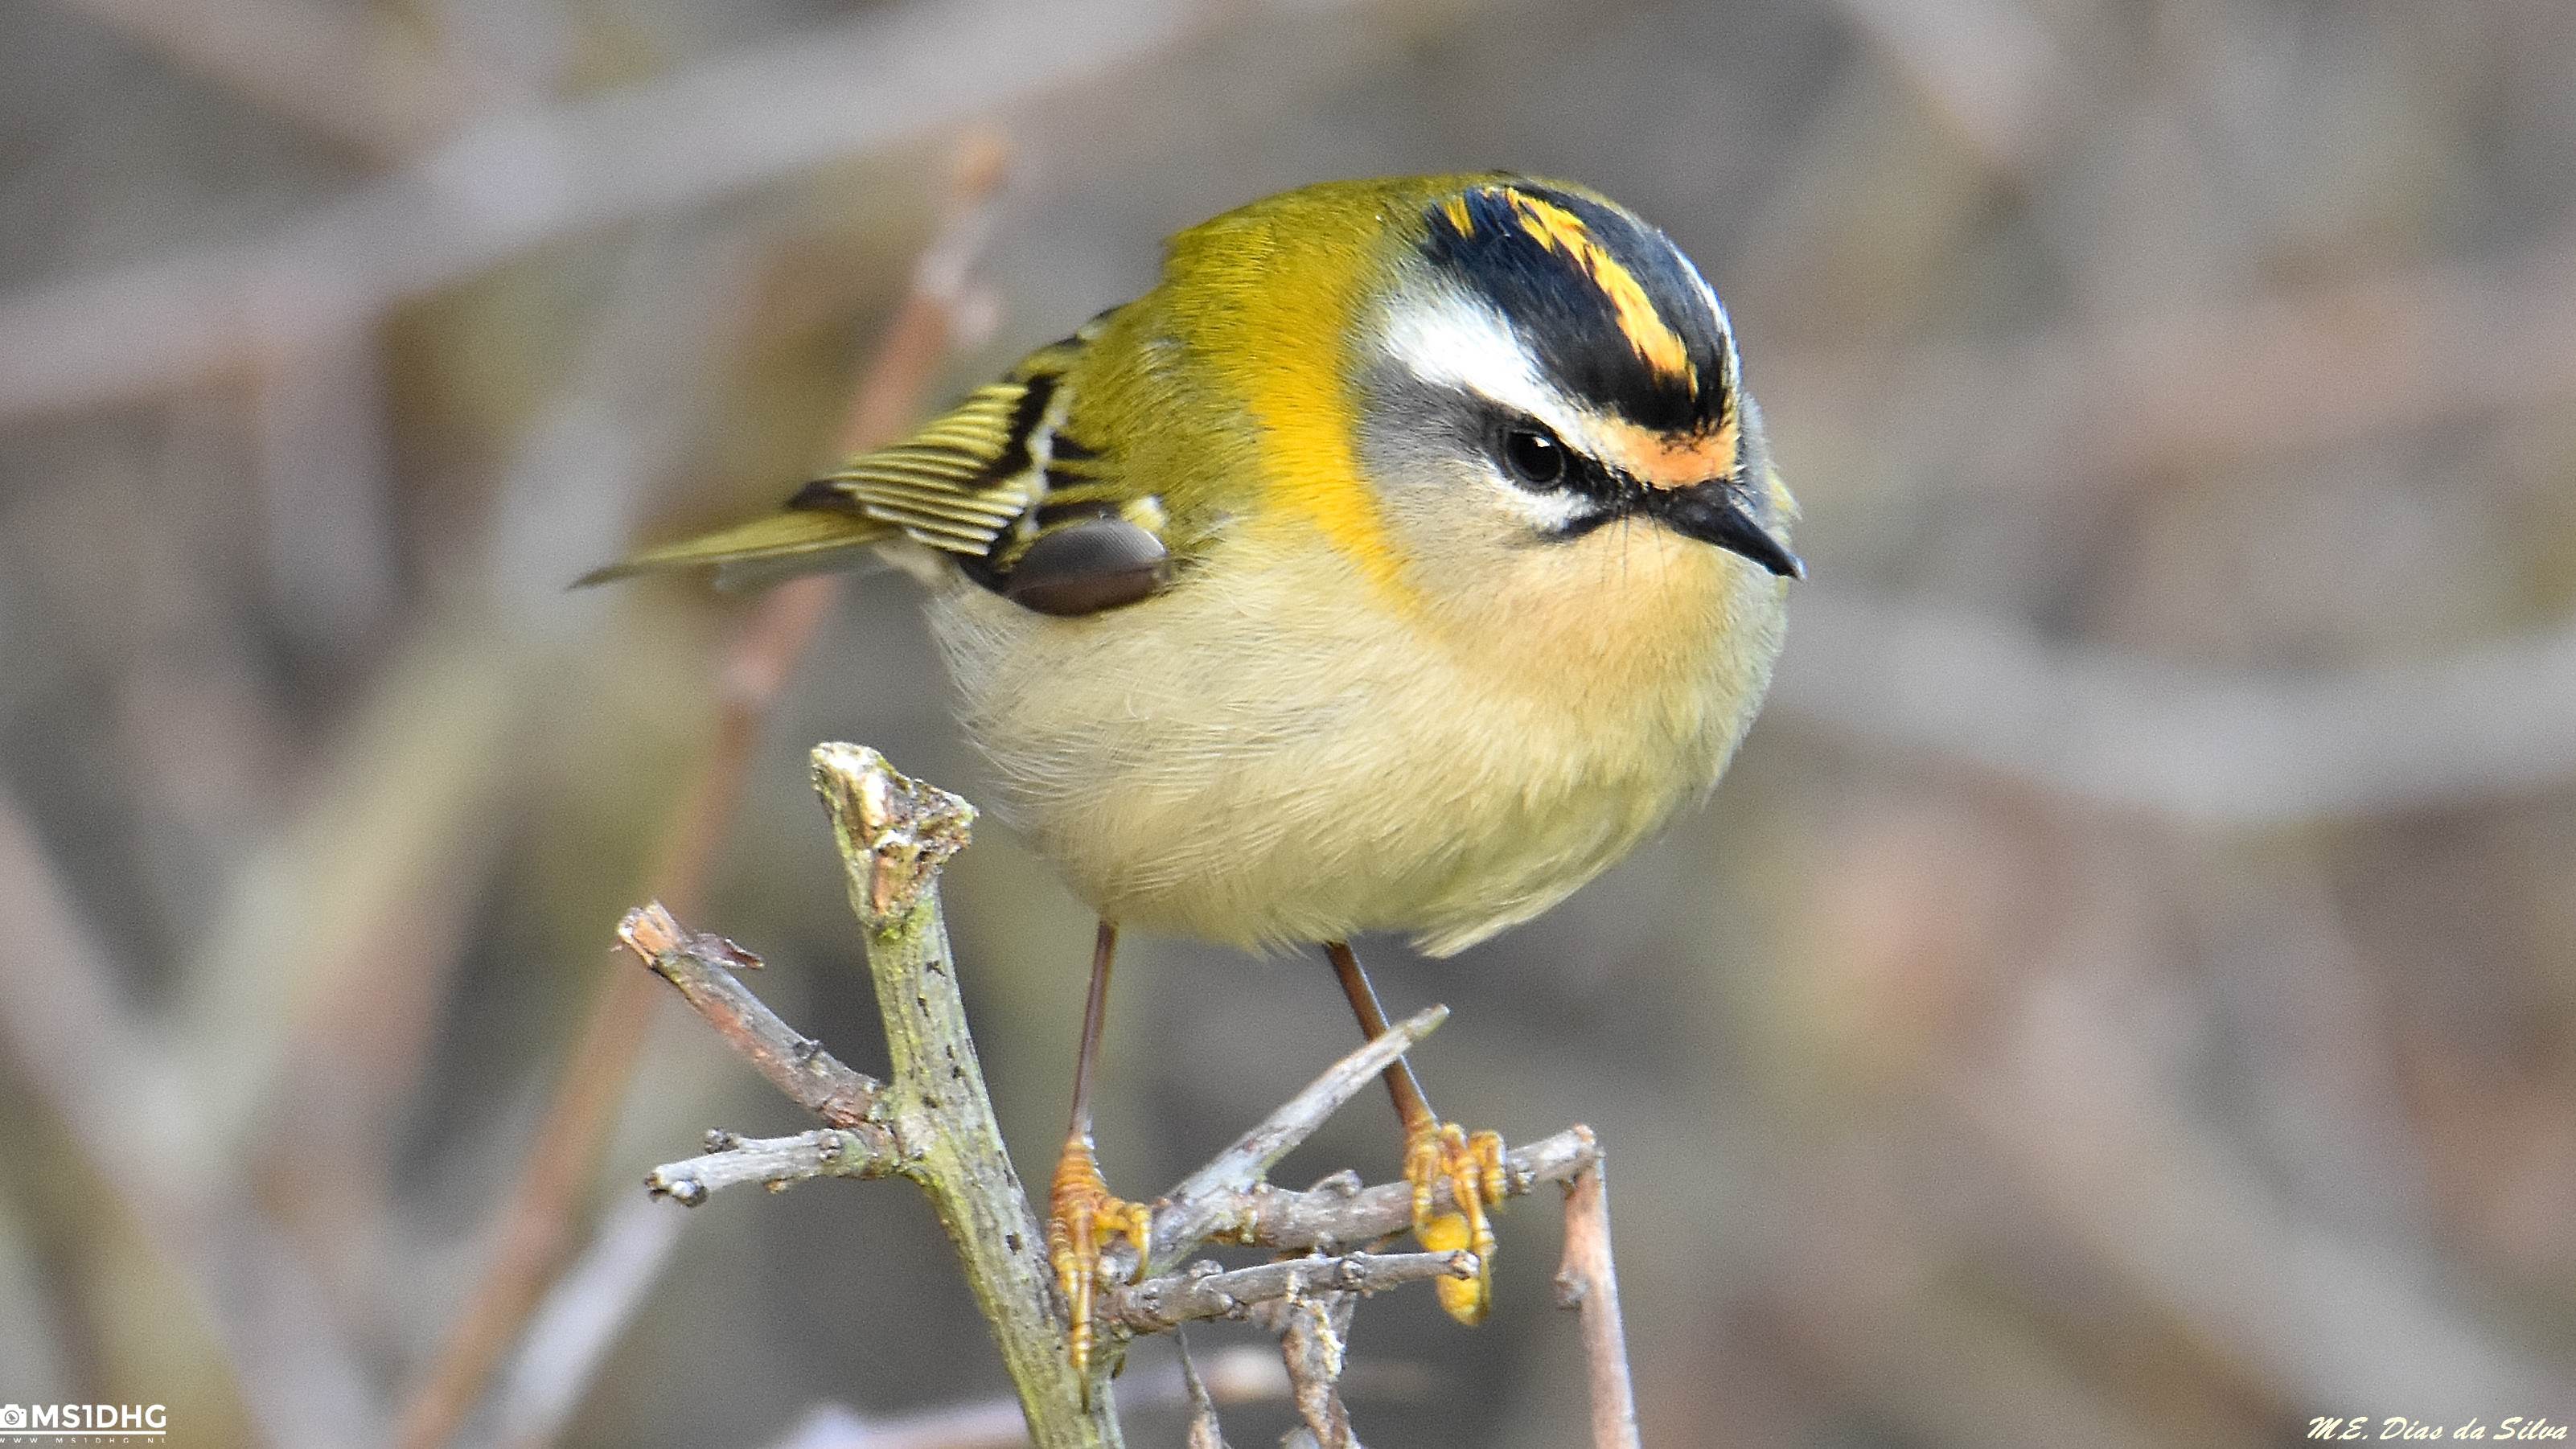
(1400, 561)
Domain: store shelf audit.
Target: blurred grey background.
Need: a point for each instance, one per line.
(2125, 994)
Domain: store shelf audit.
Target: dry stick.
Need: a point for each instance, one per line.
(1209, 1199)
(1588, 1283)
(893, 835)
(1177, 1298)
(794, 1063)
(1207, 1207)
(776, 1163)
(1272, 1217)
(536, 1220)
(818, 1082)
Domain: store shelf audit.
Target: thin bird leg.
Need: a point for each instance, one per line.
(1081, 1214)
(1435, 1152)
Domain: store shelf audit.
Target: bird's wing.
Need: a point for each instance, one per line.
(995, 483)
(961, 483)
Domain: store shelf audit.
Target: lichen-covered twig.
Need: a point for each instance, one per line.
(893, 834)
(1314, 1347)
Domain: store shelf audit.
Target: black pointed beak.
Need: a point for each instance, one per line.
(1716, 513)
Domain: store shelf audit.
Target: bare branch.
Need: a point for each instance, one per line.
(932, 1122)
(1202, 1291)
(794, 1063)
(1588, 1283)
(1325, 1217)
(1193, 1211)
(775, 1163)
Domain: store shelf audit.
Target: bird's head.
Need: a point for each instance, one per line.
(1561, 367)
(1455, 375)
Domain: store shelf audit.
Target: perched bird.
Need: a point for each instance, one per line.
(1403, 558)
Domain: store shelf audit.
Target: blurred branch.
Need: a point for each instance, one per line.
(2237, 751)
(348, 72)
(530, 1231)
(126, 1105)
(1239, 1375)
(517, 179)
(353, 912)
(1204, 1431)
(2072, 1095)
(2270, 375)
(534, 1225)
(573, 1330)
(1987, 69)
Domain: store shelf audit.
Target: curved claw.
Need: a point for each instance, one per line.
(1081, 1216)
(1472, 1165)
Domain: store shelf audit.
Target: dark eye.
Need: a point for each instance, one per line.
(1534, 456)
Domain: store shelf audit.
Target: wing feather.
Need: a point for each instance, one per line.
(971, 483)
(961, 482)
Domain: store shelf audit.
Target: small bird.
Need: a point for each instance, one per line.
(1403, 558)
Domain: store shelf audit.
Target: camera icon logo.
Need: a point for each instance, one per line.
(13, 1416)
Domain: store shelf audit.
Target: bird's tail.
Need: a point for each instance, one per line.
(792, 542)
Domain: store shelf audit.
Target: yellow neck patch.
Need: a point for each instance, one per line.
(1279, 337)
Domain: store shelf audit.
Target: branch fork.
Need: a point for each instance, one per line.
(931, 1121)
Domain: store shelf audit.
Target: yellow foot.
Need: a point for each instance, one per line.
(1081, 1216)
(1438, 1152)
